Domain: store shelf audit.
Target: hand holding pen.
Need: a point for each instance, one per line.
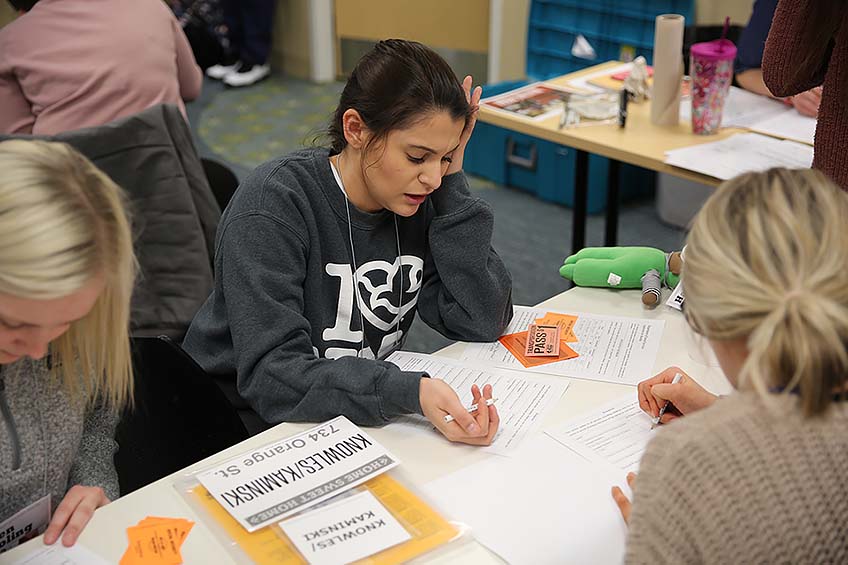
(656, 420)
(684, 396)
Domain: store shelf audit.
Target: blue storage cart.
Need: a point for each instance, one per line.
(616, 29)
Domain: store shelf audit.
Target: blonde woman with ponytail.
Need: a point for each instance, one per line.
(757, 476)
(66, 276)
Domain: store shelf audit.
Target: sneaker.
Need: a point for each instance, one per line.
(219, 72)
(247, 75)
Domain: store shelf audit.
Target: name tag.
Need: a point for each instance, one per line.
(27, 524)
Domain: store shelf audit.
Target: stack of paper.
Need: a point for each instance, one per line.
(156, 540)
(741, 153)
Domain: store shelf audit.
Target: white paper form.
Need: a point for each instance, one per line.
(743, 109)
(546, 505)
(741, 153)
(522, 400)
(789, 125)
(615, 434)
(57, 554)
(610, 348)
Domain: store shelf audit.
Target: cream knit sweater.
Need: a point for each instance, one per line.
(744, 482)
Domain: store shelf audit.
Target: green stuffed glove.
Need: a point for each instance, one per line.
(613, 267)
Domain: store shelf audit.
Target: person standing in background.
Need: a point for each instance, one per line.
(70, 64)
(808, 47)
(749, 60)
(249, 26)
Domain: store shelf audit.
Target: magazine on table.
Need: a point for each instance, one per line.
(535, 101)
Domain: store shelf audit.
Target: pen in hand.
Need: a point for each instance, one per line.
(472, 408)
(656, 421)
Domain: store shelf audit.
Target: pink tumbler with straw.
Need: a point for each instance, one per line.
(711, 68)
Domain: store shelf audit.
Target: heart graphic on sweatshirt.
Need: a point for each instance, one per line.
(377, 294)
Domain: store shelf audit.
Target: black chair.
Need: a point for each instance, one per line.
(222, 180)
(180, 415)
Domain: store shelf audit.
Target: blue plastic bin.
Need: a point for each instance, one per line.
(544, 168)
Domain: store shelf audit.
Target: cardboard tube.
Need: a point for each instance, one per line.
(668, 69)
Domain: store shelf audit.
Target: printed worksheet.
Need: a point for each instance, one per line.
(521, 400)
(610, 348)
(615, 434)
(741, 153)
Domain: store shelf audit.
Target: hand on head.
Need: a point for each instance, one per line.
(438, 400)
(73, 513)
(684, 397)
(473, 98)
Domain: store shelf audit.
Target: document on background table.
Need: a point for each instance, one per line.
(743, 109)
(610, 348)
(546, 505)
(57, 554)
(522, 400)
(789, 125)
(615, 434)
(536, 101)
(741, 153)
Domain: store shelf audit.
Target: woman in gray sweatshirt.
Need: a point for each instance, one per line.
(324, 256)
(66, 276)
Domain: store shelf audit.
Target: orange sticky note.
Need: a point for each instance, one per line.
(517, 343)
(564, 321)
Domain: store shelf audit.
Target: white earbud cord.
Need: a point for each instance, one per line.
(336, 168)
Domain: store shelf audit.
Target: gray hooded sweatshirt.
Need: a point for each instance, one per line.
(285, 318)
(48, 442)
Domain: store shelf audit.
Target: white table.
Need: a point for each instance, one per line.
(425, 457)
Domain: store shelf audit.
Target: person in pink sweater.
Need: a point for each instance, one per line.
(70, 64)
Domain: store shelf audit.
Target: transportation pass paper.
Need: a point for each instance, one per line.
(517, 345)
(156, 540)
(353, 528)
(290, 475)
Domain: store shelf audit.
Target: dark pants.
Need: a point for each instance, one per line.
(250, 23)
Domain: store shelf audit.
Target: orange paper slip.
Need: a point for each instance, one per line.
(517, 343)
(564, 321)
(156, 541)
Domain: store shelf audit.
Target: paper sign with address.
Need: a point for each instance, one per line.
(345, 531)
(265, 485)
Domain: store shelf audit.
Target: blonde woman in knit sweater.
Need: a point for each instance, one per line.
(66, 276)
(757, 476)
